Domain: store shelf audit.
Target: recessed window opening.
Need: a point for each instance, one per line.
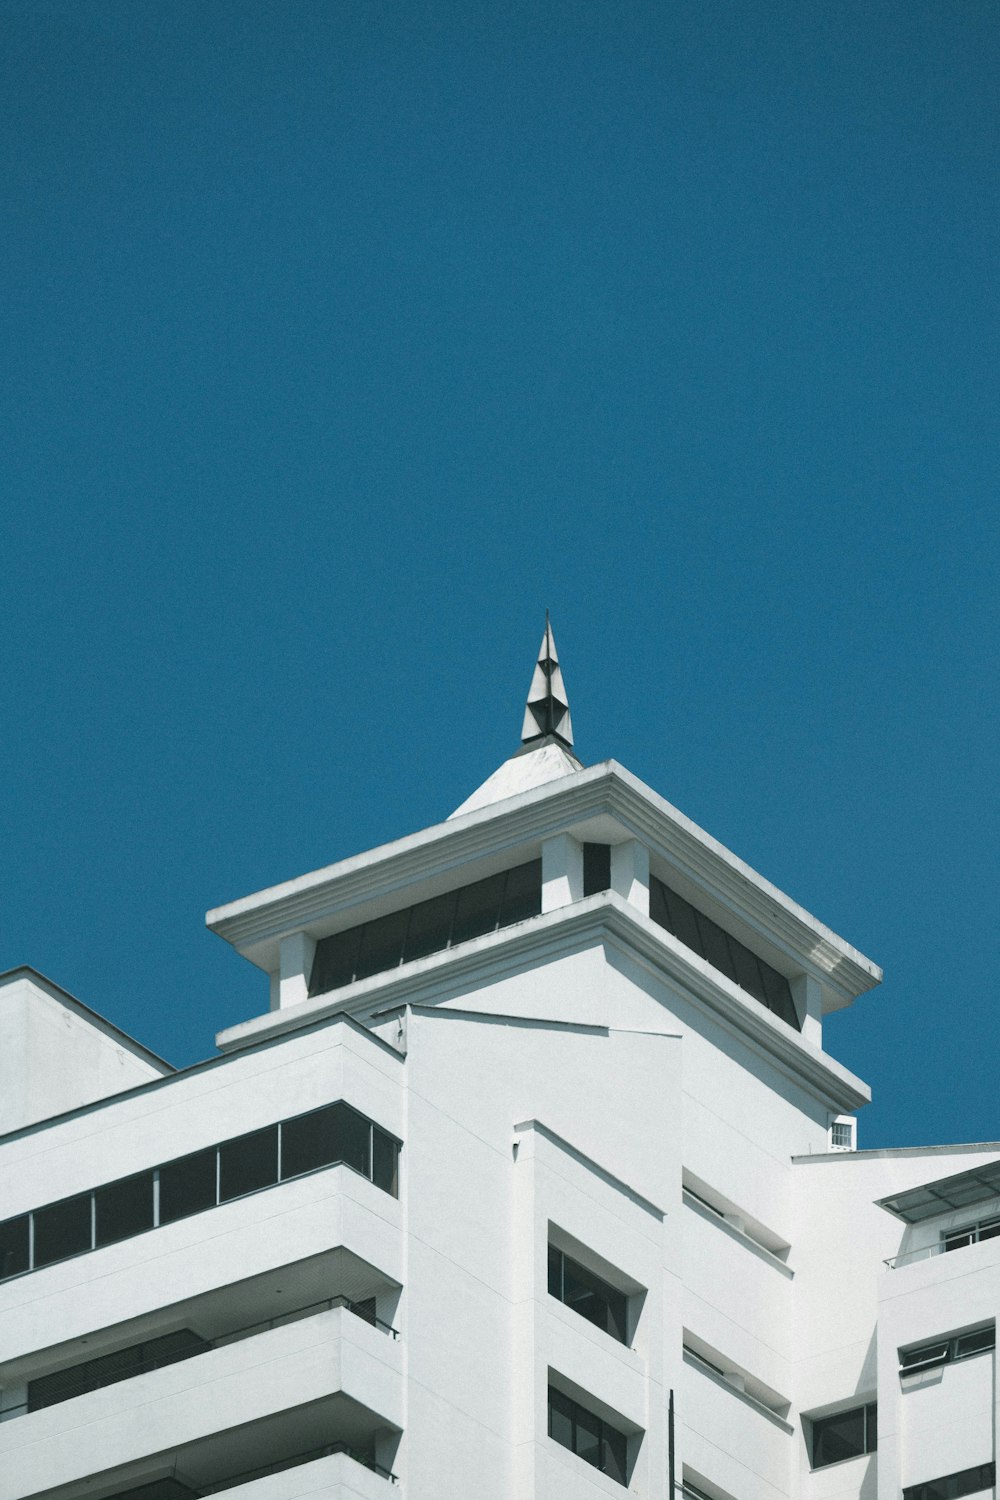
(847, 1434)
(970, 1234)
(590, 1437)
(948, 1351)
(169, 1349)
(333, 1135)
(953, 1486)
(588, 1294)
(596, 868)
(723, 951)
(428, 927)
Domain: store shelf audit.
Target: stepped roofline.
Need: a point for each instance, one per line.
(255, 924)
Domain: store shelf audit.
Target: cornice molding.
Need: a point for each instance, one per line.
(602, 918)
(608, 789)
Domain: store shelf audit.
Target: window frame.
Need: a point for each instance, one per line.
(389, 1151)
(869, 1431)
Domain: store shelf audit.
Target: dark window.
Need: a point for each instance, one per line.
(187, 1186)
(430, 926)
(14, 1246)
(385, 1162)
(970, 1234)
(62, 1230)
(382, 944)
(846, 1435)
(596, 868)
(724, 952)
(590, 1437)
(248, 1163)
(944, 1351)
(588, 1294)
(310, 1141)
(109, 1369)
(335, 961)
(953, 1486)
(336, 1133)
(124, 1208)
(522, 897)
(478, 909)
(355, 1140)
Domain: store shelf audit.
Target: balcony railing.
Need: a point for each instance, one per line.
(79, 1380)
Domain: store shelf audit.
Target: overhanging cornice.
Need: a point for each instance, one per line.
(603, 918)
(607, 788)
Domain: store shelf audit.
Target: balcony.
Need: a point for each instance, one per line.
(254, 1400)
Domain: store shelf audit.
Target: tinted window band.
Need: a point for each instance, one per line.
(335, 1135)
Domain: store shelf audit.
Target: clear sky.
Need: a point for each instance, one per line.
(338, 340)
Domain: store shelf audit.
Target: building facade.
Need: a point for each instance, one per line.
(534, 1182)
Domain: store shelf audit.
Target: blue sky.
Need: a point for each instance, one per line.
(339, 340)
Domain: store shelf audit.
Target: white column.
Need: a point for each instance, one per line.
(630, 873)
(297, 953)
(808, 996)
(562, 872)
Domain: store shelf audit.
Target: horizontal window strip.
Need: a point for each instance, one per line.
(723, 951)
(428, 927)
(334, 1135)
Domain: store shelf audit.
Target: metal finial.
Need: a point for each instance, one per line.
(547, 711)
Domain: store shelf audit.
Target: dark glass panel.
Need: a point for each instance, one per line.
(385, 1162)
(382, 944)
(587, 1436)
(355, 1139)
(248, 1163)
(715, 946)
(560, 1418)
(109, 1369)
(842, 1436)
(310, 1141)
(124, 1208)
(955, 1239)
(594, 1299)
(658, 911)
(13, 1246)
(615, 1455)
(683, 921)
(555, 1272)
(187, 1186)
(929, 1354)
(747, 966)
(171, 1348)
(478, 908)
(779, 994)
(430, 926)
(954, 1486)
(335, 961)
(365, 1309)
(522, 897)
(61, 1230)
(596, 868)
(989, 1231)
(871, 1427)
(974, 1343)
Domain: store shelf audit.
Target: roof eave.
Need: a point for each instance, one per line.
(604, 788)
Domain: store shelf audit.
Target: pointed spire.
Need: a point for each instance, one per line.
(547, 712)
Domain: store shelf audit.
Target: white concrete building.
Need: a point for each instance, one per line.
(533, 1183)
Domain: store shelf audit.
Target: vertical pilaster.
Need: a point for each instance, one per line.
(562, 872)
(297, 953)
(630, 873)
